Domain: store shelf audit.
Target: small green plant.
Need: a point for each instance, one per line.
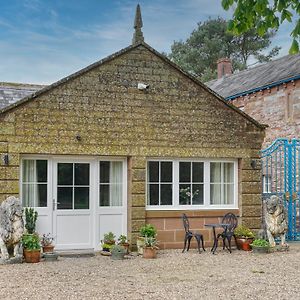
(122, 239)
(47, 240)
(260, 243)
(243, 231)
(106, 247)
(150, 242)
(109, 238)
(30, 219)
(31, 242)
(148, 230)
(117, 249)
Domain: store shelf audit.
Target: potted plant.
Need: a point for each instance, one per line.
(117, 252)
(46, 242)
(147, 230)
(106, 247)
(260, 246)
(150, 247)
(30, 220)
(31, 248)
(122, 241)
(244, 237)
(109, 238)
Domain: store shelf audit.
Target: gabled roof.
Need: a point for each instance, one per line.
(254, 79)
(117, 54)
(13, 92)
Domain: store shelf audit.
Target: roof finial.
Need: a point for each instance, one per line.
(138, 24)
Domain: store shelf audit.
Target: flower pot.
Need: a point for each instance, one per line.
(258, 249)
(244, 243)
(32, 256)
(140, 244)
(149, 252)
(117, 255)
(126, 247)
(48, 249)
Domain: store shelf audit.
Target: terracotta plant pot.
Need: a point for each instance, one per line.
(48, 249)
(244, 243)
(149, 252)
(32, 256)
(126, 246)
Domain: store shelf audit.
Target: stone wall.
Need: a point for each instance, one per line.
(175, 118)
(279, 107)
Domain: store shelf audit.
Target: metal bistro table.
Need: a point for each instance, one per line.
(214, 226)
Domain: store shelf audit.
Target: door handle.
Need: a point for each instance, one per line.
(55, 204)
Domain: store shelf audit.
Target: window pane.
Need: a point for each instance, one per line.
(197, 171)
(64, 198)
(28, 195)
(116, 172)
(197, 190)
(153, 194)
(104, 195)
(116, 194)
(65, 174)
(104, 171)
(82, 174)
(184, 194)
(153, 168)
(215, 194)
(81, 198)
(41, 167)
(28, 171)
(166, 194)
(228, 194)
(41, 195)
(228, 173)
(185, 172)
(215, 172)
(166, 171)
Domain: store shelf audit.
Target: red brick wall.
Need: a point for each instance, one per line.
(279, 107)
(170, 231)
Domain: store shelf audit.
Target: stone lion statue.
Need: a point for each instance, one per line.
(11, 227)
(276, 220)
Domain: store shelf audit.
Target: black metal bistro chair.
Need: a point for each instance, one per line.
(189, 235)
(228, 232)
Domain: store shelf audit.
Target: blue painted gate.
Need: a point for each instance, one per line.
(281, 176)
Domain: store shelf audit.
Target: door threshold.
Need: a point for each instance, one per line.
(76, 253)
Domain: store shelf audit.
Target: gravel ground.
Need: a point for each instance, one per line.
(172, 275)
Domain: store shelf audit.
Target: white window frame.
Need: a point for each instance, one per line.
(267, 183)
(206, 188)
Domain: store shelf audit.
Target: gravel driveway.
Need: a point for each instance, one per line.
(172, 275)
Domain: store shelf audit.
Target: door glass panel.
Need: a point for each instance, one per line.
(41, 167)
(82, 174)
(64, 198)
(28, 195)
(104, 171)
(65, 174)
(41, 195)
(81, 198)
(104, 195)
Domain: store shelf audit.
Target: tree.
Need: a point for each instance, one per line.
(264, 15)
(211, 41)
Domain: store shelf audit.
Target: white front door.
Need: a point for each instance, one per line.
(78, 200)
(72, 211)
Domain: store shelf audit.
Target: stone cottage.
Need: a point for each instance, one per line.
(127, 140)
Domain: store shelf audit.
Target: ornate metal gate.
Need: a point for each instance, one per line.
(281, 176)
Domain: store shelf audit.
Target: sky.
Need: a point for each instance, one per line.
(43, 41)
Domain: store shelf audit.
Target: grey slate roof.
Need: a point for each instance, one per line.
(13, 92)
(257, 78)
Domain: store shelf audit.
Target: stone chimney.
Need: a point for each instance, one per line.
(224, 67)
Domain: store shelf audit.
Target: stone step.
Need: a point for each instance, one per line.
(76, 253)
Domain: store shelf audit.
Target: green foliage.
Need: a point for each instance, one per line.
(109, 238)
(148, 231)
(150, 242)
(122, 239)
(106, 247)
(264, 15)
(117, 249)
(211, 41)
(30, 220)
(260, 243)
(243, 231)
(31, 242)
